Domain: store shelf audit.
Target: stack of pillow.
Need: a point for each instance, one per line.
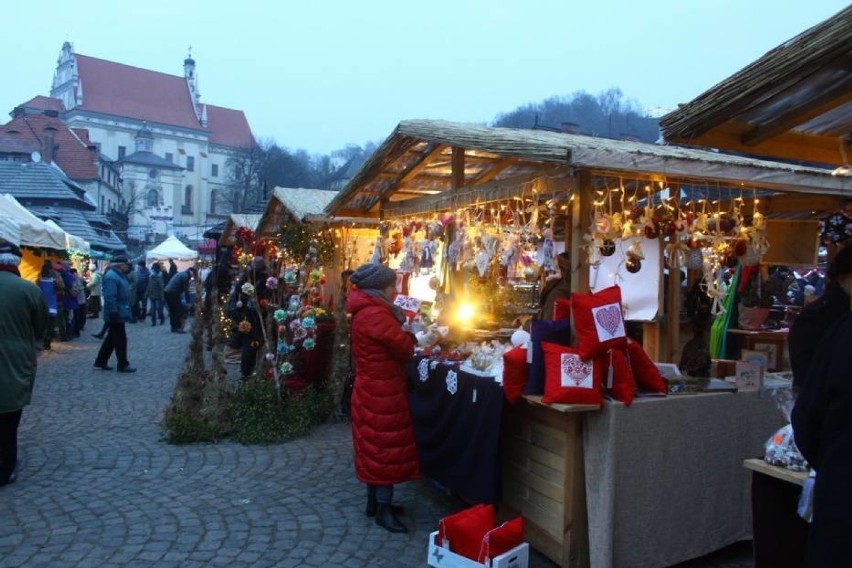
(604, 359)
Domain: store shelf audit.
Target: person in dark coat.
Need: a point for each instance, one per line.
(822, 426)
(47, 285)
(556, 288)
(382, 428)
(23, 319)
(154, 293)
(173, 269)
(246, 307)
(116, 293)
(808, 330)
(175, 291)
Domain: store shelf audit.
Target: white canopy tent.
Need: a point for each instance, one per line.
(10, 230)
(72, 242)
(34, 232)
(172, 248)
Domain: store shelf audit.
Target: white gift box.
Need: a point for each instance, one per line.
(440, 557)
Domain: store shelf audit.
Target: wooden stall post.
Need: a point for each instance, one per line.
(581, 218)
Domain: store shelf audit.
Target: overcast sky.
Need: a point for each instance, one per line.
(318, 75)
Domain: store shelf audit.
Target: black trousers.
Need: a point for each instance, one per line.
(248, 356)
(175, 310)
(8, 443)
(116, 339)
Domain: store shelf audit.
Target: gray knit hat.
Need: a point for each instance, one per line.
(373, 277)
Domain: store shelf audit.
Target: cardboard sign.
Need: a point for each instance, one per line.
(407, 303)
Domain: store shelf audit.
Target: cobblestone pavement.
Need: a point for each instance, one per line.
(97, 486)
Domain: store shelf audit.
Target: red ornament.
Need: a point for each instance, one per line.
(323, 280)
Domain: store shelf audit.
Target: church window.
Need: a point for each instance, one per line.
(153, 198)
(122, 151)
(214, 170)
(213, 197)
(190, 163)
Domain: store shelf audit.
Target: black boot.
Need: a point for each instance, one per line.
(373, 505)
(386, 519)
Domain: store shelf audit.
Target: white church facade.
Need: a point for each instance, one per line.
(172, 149)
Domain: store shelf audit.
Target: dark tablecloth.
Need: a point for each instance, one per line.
(457, 428)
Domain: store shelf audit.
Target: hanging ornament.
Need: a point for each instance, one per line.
(632, 264)
(482, 261)
(607, 248)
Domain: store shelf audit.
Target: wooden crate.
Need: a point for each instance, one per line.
(543, 477)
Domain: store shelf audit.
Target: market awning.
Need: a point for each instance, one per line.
(412, 171)
(793, 103)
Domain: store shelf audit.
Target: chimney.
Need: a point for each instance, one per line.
(569, 128)
(47, 139)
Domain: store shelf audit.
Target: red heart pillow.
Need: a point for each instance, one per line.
(502, 539)
(516, 371)
(645, 373)
(568, 378)
(598, 321)
(618, 376)
(562, 309)
(465, 530)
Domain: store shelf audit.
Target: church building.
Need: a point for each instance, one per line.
(172, 150)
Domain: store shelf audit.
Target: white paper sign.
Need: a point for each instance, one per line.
(640, 290)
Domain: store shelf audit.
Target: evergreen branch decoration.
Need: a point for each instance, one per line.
(295, 241)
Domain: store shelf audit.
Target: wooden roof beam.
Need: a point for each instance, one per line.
(422, 163)
(826, 100)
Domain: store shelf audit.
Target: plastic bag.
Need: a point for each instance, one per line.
(781, 448)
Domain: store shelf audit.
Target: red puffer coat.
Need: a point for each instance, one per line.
(382, 432)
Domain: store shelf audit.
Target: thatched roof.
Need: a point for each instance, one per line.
(297, 204)
(795, 102)
(415, 162)
(234, 222)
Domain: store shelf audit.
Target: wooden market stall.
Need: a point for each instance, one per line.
(353, 237)
(427, 169)
(236, 221)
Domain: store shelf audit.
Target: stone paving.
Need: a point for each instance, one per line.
(97, 487)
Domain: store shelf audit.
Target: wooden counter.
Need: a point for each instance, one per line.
(543, 476)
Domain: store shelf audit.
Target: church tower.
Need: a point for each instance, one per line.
(192, 84)
(66, 79)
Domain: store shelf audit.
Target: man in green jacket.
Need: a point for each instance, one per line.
(23, 318)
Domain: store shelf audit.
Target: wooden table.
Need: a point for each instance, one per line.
(543, 476)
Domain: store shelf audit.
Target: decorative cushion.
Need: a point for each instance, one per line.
(645, 372)
(562, 309)
(618, 376)
(568, 378)
(558, 332)
(501, 540)
(463, 532)
(516, 372)
(598, 322)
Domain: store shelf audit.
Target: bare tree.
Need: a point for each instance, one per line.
(245, 185)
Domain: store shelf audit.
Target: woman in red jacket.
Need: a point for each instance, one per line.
(382, 431)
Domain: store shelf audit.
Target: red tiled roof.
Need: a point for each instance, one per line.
(70, 152)
(45, 103)
(228, 127)
(121, 90)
